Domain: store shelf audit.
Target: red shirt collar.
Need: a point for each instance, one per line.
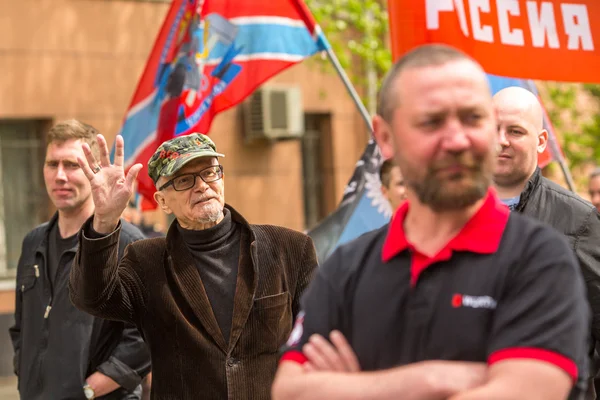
(481, 234)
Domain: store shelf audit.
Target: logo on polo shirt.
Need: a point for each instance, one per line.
(463, 300)
(297, 332)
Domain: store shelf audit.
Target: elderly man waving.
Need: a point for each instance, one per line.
(216, 298)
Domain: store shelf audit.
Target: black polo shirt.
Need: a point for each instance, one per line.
(505, 287)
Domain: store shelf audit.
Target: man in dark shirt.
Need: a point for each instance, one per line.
(457, 298)
(216, 298)
(60, 351)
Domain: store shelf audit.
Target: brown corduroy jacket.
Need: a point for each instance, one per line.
(157, 286)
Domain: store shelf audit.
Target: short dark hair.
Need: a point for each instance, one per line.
(385, 172)
(422, 56)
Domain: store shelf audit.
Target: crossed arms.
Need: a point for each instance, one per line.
(534, 347)
(331, 372)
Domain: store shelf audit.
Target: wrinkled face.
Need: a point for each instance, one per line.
(521, 138)
(442, 134)
(65, 181)
(395, 191)
(201, 204)
(594, 188)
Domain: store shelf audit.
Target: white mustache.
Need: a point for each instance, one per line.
(202, 199)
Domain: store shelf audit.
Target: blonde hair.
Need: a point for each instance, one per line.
(73, 129)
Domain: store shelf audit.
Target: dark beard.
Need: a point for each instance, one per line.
(449, 193)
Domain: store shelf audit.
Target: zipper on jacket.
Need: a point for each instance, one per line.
(36, 267)
(51, 286)
(49, 306)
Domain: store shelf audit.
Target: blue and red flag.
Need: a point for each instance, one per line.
(209, 55)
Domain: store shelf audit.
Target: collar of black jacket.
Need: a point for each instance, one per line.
(530, 187)
(43, 245)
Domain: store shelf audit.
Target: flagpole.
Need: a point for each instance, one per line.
(554, 148)
(558, 157)
(561, 162)
(344, 77)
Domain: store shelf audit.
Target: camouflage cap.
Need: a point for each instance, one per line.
(175, 153)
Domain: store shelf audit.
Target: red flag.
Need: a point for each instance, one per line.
(208, 57)
(554, 40)
(515, 30)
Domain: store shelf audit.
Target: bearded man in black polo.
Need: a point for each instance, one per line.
(457, 298)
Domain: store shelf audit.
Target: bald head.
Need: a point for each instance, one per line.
(521, 101)
(522, 137)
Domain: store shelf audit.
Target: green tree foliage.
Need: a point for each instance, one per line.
(358, 33)
(579, 129)
(591, 130)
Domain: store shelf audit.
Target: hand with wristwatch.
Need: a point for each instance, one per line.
(89, 392)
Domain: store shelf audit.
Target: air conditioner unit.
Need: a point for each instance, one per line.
(274, 113)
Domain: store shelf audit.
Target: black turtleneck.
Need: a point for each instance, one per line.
(216, 251)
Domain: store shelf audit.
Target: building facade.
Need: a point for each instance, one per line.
(82, 59)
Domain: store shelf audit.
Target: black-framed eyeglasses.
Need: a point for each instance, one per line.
(187, 181)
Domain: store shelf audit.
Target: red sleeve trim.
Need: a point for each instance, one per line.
(562, 362)
(295, 356)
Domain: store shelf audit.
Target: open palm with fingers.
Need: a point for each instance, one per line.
(111, 188)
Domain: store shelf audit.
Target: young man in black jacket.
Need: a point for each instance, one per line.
(522, 187)
(60, 351)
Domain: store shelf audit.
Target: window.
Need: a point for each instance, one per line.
(317, 171)
(23, 198)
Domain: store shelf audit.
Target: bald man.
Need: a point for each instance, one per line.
(522, 137)
(523, 189)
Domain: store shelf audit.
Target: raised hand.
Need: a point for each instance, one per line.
(111, 189)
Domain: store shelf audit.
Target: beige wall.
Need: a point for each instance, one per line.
(74, 58)
(82, 58)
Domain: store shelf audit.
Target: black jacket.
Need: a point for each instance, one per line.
(57, 348)
(578, 220)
